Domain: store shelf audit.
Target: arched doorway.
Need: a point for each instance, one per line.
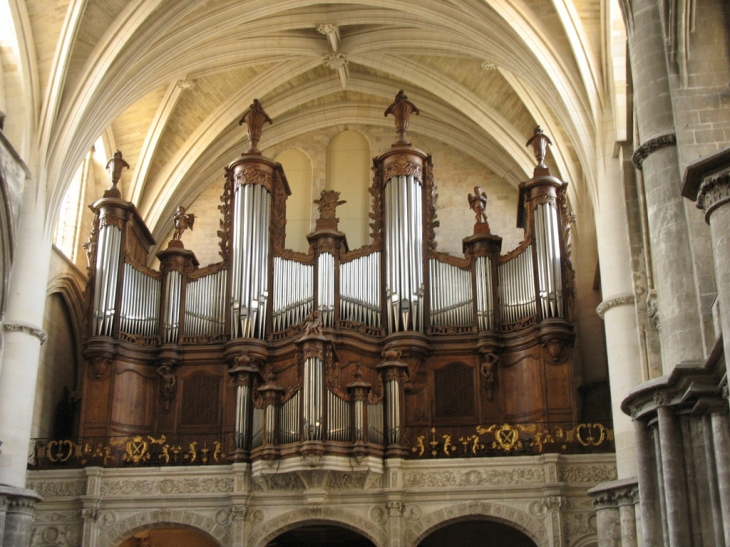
(481, 533)
(315, 535)
(170, 536)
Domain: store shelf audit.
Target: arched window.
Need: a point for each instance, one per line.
(298, 169)
(348, 172)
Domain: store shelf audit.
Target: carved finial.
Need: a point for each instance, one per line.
(539, 142)
(327, 203)
(115, 166)
(358, 372)
(391, 354)
(254, 118)
(244, 359)
(270, 377)
(401, 109)
(182, 222)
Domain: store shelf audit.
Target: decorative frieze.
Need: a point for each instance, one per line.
(28, 329)
(623, 300)
(473, 477)
(58, 488)
(177, 485)
(588, 473)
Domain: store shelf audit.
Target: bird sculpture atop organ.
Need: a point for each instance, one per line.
(359, 353)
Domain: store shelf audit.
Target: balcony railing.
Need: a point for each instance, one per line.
(478, 441)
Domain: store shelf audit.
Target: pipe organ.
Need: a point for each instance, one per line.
(335, 351)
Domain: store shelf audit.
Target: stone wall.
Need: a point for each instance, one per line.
(397, 505)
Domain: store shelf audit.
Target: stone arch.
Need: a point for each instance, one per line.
(532, 527)
(138, 522)
(276, 526)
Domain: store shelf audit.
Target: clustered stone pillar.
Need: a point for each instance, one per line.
(680, 335)
(17, 506)
(708, 181)
(616, 521)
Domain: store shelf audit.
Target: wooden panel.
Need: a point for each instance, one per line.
(96, 405)
(521, 388)
(132, 397)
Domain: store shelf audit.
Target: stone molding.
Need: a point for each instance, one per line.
(651, 146)
(28, 329)
(272, 527)
(714, 192)
(123, 502)
(622, 300)
(535, 529)
(127, 527)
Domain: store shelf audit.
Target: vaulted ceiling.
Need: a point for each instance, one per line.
(168, 80)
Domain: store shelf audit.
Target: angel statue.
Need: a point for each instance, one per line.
(182, 222)
(478, 203)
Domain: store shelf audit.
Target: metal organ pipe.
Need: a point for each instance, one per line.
(451, 295)
(517, 287)
(140, 305)
(249, 268)
(106, 278)
(243, 396)
(391, 393)
(289, 422)
(360, 290)
(375, 423)
(338, 418)
(293, 292)
(326, 288)
(404, 253)
(313, 399)
(549, 259)
(204, 303)
(257, 427)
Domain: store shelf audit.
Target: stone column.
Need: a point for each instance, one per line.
(649, 492)
(554, 519)
(713, 494)
(395, 524)
(617, 309)
(713, 197)
(23, 335)
(721, 438)
(625, 499)
(17, 506)
(616, 518)
(680, 334)
(675, 486)
(608, 519)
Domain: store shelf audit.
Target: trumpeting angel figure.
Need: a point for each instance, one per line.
(182, 222)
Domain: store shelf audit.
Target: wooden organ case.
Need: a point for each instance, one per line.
(343, 352)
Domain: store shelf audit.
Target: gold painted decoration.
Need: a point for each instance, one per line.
(133, 450)
(511, 439)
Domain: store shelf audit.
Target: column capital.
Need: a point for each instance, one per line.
(714, 192)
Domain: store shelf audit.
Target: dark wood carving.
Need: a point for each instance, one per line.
(518, 372)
